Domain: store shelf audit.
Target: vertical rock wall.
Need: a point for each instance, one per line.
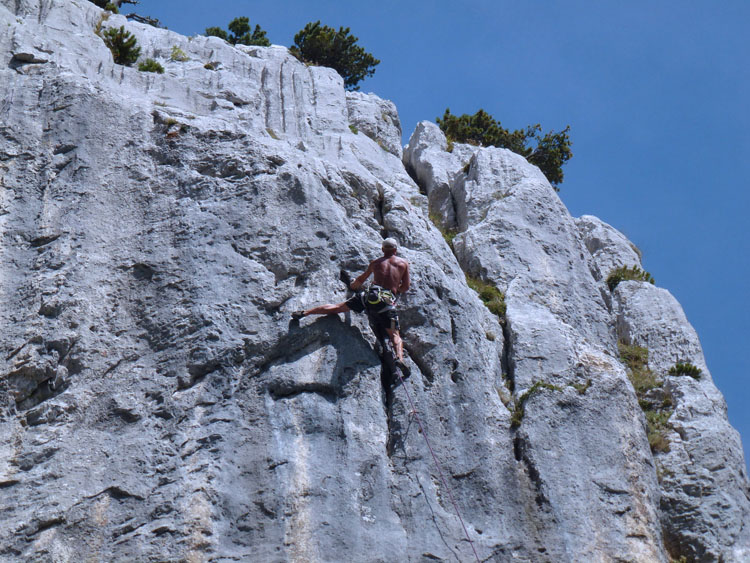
(156, 231)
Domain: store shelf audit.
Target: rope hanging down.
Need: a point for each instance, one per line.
(437, 463)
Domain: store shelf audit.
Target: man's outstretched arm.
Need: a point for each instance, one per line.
(356, 284)
(405, 281)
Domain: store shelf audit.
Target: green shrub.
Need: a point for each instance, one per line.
(150, 65)
(353, 129)
(492, 297)
(240, 33)
(549, 152)
(623, 273)
(110, 7)
(323, 45)
(686, 369)
(178, 55)
(122, 44)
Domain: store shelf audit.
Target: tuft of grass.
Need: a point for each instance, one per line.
(150, 65)
(178, 55)
(636, 359)
(492, 297)
(519, 409)
(353, 129)
(624, 273)
(685, 369)
(655, 406)
(98, 27)
(449, 146)
(211, 65)
(581, 387)
(448, 234)
(658, 426)
(272, 133)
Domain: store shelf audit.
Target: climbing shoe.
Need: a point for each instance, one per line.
(297, 315)
(404, 368)
(346, 278)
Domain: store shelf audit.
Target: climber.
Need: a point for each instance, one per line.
(390, 279)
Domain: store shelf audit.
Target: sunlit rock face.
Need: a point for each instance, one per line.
(156, 232)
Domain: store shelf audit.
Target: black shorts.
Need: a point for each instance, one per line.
(384, 319)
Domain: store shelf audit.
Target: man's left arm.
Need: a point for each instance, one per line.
(356, 284)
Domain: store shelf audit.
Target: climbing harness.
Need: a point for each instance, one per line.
(415, 413)
(377, 295)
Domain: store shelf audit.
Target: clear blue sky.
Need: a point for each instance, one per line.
(656, 94)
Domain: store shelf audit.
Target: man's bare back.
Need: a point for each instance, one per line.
(391, 273)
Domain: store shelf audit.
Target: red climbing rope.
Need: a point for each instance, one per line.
(437, 463)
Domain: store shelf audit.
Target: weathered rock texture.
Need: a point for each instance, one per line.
(157, 230)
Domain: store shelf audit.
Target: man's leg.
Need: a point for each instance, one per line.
(398, 346)
(322, 310)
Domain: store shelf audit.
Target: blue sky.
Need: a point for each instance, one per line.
(656, 94)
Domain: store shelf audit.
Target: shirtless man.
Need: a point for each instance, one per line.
(391, 278)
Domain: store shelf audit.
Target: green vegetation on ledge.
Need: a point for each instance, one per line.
(654, 400)
(549, 151)
(623, 273)
(492, 297)
(686, 369)
(122, 44)
(448, 234)
(239, 33)
(322, 45)
(150, 65)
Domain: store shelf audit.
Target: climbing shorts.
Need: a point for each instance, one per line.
(385, 317)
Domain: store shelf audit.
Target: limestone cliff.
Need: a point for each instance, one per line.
(156, 231)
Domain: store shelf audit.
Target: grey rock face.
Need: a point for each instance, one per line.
(156, 231)
(704, 502)
(608, 246)
(376, 118)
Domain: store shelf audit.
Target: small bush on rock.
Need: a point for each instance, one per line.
(122, 44)
(150, 65)
(549, 152)
(685, 369)
(624, 273)
(322, 45)
(178, 55)
(240, 33)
